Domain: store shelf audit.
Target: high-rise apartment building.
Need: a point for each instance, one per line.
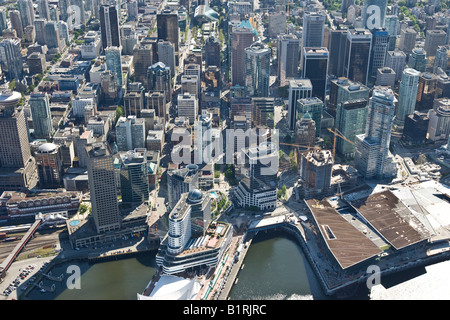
(434, 39)
(102, 188)
(257, 70)
(408, 40)
(407, 95)
(16, 22)
(26, 10)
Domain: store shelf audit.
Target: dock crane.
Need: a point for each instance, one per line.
(337, 133)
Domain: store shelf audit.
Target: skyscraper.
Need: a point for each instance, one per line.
(203, 139)
(159, 79)
(142, 60)
(109, 25)
(11, 58)
(16, 22)
(42, 118)
(50, 165)
(187, 106)
(441, 59)
(257, 70)
(380, 43)
(418, 59)
(396, 60)
(343, 89)
(26, 10)
(316, 169)
(408, 40)
(407, 95)
(434, 39)
(114, 63)
(373, 159)
(166, 55)
(263, 112)
(134, 184)
(357, 55)
(313, 106)
(44, 9)
(102, 188)
(241, 38)
(374, 13)
(130, 133)
(351, 117)
(392, 27)
(298, 89)
(313, 29)
(51, 35)
(17, 166)
(336, 48)
(315, 68)
(167, 26)
(288, 52)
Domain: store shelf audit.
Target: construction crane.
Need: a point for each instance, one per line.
(300, 146)
(337, 133)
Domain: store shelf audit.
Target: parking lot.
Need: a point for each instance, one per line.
(20, 276)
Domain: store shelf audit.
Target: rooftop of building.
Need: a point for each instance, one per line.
(392, 219)
(347, 244)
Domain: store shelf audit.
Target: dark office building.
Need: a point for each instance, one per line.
(167, 25)
(336, 48)
(357, 55)
(109, 25)
(314, 68)
(416, 128)
(426, 91)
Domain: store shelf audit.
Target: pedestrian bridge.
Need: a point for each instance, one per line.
(267, 223)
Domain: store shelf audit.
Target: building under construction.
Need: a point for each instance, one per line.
(315, 173)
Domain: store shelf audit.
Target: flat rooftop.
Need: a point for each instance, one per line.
(392, 219)
(347, 244)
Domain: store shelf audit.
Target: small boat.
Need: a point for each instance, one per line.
(43, 290)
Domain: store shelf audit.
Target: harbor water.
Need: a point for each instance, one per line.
(275, 268)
